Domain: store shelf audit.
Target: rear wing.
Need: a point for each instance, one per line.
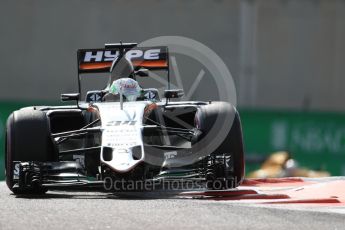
(100, 60)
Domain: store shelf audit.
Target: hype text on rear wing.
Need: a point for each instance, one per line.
(100, 60)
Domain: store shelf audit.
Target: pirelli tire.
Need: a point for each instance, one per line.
(27, 139)
(210, 120)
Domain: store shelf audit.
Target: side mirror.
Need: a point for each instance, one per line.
(142, 72)
(70, 97)
(173, 93)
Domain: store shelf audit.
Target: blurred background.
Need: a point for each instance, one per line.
(287, 58)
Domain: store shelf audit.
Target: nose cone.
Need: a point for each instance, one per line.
(122, 160)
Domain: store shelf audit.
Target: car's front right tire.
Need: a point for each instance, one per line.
(27, 139)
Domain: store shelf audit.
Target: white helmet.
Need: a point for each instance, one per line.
(128, 86)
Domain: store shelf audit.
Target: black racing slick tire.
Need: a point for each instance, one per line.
(27, 139)
(226, 160)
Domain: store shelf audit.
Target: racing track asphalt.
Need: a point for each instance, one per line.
(91, 210)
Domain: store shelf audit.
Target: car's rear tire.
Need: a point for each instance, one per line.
(27, 139)
(232, 145)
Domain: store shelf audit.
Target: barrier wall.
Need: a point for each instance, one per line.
(281, 53)
(315, 139)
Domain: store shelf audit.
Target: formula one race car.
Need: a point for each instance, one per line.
(119, 133)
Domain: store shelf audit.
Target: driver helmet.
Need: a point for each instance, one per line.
(129, 87)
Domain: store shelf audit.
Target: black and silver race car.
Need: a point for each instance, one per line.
(105, 140)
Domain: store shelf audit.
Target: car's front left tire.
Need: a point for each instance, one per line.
(226, 166)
